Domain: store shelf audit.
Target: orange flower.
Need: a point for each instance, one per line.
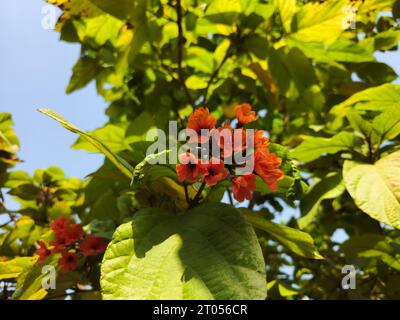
(243, 187)
(245, 114)
(65, 233)
(42, 252)
(75, 233)
(189, 169)
(68, 261)
(92, 245)
(201, 119)
(266, 166)
(232, 141)
(260, 142)
(213, 172)
(59, 225)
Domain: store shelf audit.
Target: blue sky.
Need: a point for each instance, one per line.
(35, 69)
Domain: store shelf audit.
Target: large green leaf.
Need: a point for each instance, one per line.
(319, 22)
(376, 188)
(12, 268)
(287, 8)
(209, 252)
(380, 98)
(120, 163)
(297, 241)
(339, 51)
(111, 135)
(314, 147)
(29, 284)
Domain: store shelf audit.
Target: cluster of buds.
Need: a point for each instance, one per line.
(242, 154)
(71, 241)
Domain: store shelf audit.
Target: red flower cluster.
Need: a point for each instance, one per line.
(71, 241)
(266, 164)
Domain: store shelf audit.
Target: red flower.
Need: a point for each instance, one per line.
(92, 245)
(42, 252)
(65, 233)
(68, 261)
(201, 119)
(266, 166)
(188, 169)
(213, 172)
(59, 244)
(260, 142)
(245, 114)
(59, 225)
(74, 233)
(243, 187)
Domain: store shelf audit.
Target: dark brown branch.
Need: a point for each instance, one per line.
(187, 195)
(230, 196)
(180, 46)
(196, 199)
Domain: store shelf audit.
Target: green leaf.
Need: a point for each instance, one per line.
(313, 147)
(131, 10)
(29, 284)
(26, 191)
(10, 269)
(200, 59)
(371, 246)
(287, 9)
(297, 241)
(376, 188)
(120, 163)
(387, 124)
(380, 98)
(110, 135)
(329, 187)
(209, 252)
(16, 178)
(319, 22)
(83, 72)
(195, 82)
(139, 127)
(96, 31)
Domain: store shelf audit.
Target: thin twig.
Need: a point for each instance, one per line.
(196, 199)
(4, 224)
(230, 196)
(187, 195)
(170, 71)
(180, 46)
(214, 75)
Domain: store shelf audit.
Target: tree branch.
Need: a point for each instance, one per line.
(215, 74)
(196, 199)
(230, 196)
(180, 46)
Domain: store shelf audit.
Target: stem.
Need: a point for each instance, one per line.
(187, 194)
(214, 75)
(4, 224)
(230, 196)
(180, 45)
(370, 150)
(196, 199)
